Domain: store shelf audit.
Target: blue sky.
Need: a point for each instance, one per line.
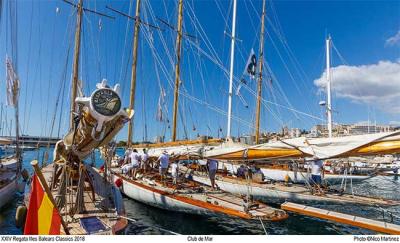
(366, 85)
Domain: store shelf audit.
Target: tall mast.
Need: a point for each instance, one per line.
(260, 77)
(328, 85)
(228, 132)
(177, 68)
(134, 64)
(75, 66)
(18, 152)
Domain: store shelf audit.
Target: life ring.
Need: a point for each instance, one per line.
(20, 216)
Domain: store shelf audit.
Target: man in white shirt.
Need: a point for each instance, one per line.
(212, 170)
(135, 160)
(175, 172)
(164, 162)
(126, 166)
(144, 158)
(316, 171)
(127, 156)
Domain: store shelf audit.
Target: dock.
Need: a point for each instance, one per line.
(34, 140)
(365, 223)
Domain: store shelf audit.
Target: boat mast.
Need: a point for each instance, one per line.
(18, 152)
(177, 68)
(134, 64)
(328, 84)
(75, 67)
(260, 77)
(228, 132)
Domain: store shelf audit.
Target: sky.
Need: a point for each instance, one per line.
(39, 38)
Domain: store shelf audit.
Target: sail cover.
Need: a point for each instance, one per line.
(295, 148)
(319, 148)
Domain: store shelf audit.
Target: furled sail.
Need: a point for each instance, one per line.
(12, 83)
(321, 148)
(296, 148)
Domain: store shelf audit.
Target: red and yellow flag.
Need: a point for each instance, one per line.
(42, 217)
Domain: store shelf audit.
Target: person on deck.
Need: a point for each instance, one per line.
(126, 166)
(164, 162)
(175, 171)
(316, 172)
(127, 156)
(135, 161)
(212, 170)
(144, 158)
(133, 157)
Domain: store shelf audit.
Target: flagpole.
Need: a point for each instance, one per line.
(42, 180)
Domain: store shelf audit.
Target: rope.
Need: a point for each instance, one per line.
(262, 224)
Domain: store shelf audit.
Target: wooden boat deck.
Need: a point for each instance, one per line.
(94, 208)
(370, 224)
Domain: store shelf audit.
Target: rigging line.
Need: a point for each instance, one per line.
(287, 48)
(191, 97)
(200, 71)
(163, 42)
(27, 70)
(161, 65)
(60, 94)
(149, 38)
(289, 72)
(300, 72)
(203, 34)
(237, 80)
(125, 39)
(347, 64)
(283, 62)
(226, 28)
(282, 36)
(251, 19)
(49, 87)
(272, 94)
(198, 100)
(90, 28)
(280, 90)
(183, 119)
(36, 73)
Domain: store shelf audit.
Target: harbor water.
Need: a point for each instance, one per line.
(152, 220)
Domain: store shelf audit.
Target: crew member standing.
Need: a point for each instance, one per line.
(175, 172)
(212, 170)
(144, 158)
(164, 162)
(126, 166)
(316, 172)
(135, 161)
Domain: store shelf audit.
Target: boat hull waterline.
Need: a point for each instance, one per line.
(190, 203)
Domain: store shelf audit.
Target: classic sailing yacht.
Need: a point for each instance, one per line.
(87, 201)
(234, 154)
(185, 196)
(11, 180)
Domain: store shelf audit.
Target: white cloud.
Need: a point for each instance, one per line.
(375, 84)
(393, 40)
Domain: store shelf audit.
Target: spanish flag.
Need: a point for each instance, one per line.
(42, 217)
